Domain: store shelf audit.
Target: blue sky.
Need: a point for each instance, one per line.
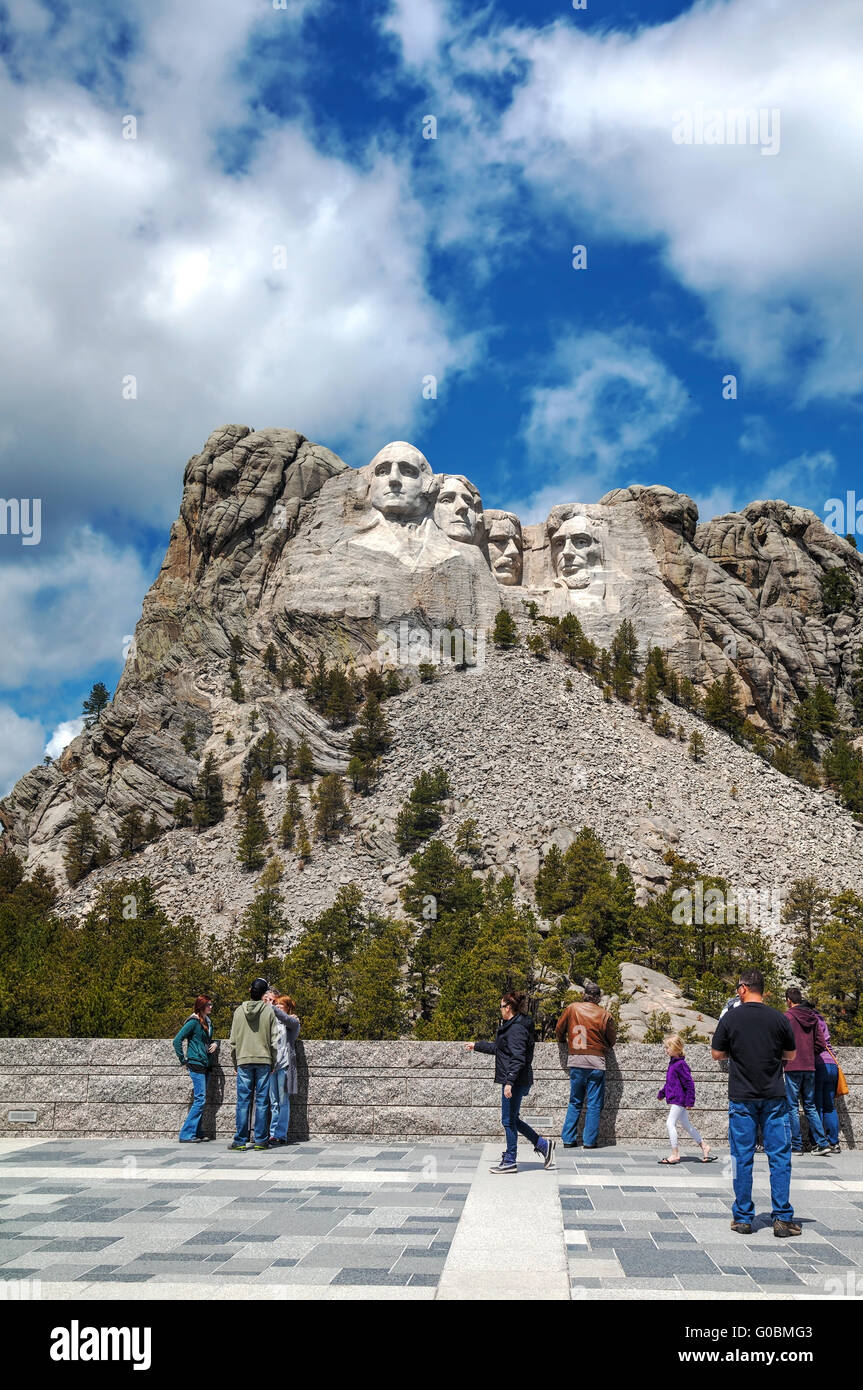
(302, 127)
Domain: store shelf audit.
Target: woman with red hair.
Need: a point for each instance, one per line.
(200, 1046)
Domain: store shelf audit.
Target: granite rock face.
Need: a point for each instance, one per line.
(280, 542)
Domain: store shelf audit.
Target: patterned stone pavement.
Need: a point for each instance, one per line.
(102, 1219)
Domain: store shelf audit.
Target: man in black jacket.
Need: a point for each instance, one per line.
(512, 1050)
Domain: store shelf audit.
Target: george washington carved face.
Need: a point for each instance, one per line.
(505, 546)
(576, 550)
(400, 482)
(458, 510)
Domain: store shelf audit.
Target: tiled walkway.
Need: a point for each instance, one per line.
(97, 1219)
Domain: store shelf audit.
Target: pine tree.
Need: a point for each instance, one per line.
(209, 807)
(304, 763)
(94, 704)
(377, 1003)
(697, 747)
(182, 813)
(271, 659)
(152, 830)
(372, 737)
(467, 839)
(253, 832)
(190, 738)
(304, 848)
(505, 633)
(364, 776)
(264, 924)
(291, 818)
(721, 705)
(131, 833)
(80, 854)
(332, 811)
(652, 685)
(837, 590)
(805, 911)
(420, 816)
(237, 691)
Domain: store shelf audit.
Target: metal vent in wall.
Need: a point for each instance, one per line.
(22, 1117)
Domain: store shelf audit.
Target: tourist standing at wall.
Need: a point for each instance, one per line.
(679, 1095)
(826, 1084)
(283, 1079)
(590, 1033)
(254, 1049)
(197, 1033)
(756, 1040)
(512, 1050)
(800, 1075)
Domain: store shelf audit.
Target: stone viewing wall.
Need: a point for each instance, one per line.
(73, 1087)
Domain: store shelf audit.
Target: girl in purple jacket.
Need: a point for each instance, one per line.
(679, 1094)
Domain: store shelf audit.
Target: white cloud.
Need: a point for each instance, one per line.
(68, 612)
(757, 436)
(419, 26)
(63, 736)
(612, 400)
(21, 742)
(799, 475)
(144, 258)
(770, 245)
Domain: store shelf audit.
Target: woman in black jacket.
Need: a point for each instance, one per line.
(512, 1050)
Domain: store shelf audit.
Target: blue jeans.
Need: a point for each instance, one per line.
(826, 1081)
(513, 1124)
(280, 1104)
(589, 1081)
(192, 1123)
(253, 1079)
(800, 1089)
(744, 1119)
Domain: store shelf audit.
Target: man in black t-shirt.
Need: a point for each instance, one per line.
(757, 1040)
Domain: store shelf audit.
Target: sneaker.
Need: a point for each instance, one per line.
(261, 1147)
(548, 1153)
(574, 1145)
(590, 1146)
(276, 1143)
(786, 1228)
(825, 1149)
(241, 1147)
(505, 1166)
(835, 1149)
(743, 1228)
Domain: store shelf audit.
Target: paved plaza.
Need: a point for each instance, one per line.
(108, 1219)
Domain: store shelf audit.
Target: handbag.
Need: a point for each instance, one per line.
(841, 1084)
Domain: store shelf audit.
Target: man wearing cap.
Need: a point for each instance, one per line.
(254, 1048)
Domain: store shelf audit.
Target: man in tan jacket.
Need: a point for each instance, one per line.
(590, 1032)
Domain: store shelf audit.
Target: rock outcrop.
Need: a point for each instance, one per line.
(280, 543)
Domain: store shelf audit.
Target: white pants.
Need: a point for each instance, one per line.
(677, 1115)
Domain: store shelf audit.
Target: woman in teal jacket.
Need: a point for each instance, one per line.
(198, 1034)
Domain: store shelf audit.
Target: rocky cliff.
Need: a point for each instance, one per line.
(280, 543)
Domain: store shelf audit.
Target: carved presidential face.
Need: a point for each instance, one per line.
(505, 547)
(399, 481)
(458, 510)
(576, 551)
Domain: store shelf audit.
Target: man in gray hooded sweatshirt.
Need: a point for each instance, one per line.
(254, 1048)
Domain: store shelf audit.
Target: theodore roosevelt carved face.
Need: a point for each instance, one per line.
(400, 483)
(505, 547)
(458, 511)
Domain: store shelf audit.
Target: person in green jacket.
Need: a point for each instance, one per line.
(254, 1051)
(197, 1032)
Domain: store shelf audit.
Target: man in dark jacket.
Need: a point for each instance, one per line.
(512, 1050)
(800, 1074)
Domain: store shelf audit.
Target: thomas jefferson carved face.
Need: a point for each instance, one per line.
(576, 551)
(400, 477)
(504, 546)
(459, 509)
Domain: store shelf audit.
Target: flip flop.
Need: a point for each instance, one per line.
(669, 1162)
(711, 1158)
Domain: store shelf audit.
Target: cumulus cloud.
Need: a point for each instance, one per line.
(799, 475)
(68, 612)
(287, 291)
(608, 402)
(770, 245)
(63, 736)
(21, 742)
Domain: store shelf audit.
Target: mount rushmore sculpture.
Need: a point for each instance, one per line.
(282, 547)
